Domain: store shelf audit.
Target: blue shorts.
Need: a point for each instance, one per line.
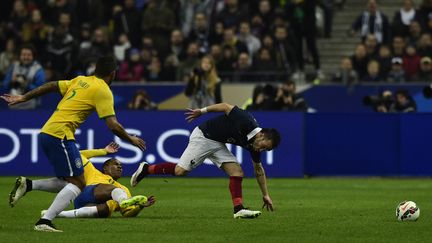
(86, 197)
(63, 155)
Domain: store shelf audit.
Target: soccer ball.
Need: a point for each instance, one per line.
(407, 211)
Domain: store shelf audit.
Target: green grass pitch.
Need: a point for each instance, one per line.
(199, 210)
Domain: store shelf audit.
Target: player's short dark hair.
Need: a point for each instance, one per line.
(273, 135)
(105, 66)
(109, 161)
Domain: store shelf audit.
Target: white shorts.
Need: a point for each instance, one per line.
(200, 148)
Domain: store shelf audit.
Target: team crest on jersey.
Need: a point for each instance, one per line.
(78, 163)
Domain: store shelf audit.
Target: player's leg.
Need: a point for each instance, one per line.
(24, 185)
(226, 161)
(194, 154)
(66, 159)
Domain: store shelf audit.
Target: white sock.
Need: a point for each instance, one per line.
(84, 212)
(49, 185)
(62, 200)
(119, 195)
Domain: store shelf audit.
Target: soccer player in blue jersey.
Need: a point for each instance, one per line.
(208, 140)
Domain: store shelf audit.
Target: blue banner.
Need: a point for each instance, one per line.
(165, 132)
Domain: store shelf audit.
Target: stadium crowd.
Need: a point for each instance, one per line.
(396, 51)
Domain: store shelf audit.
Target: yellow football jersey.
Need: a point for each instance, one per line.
(81, 96)
(93, 176)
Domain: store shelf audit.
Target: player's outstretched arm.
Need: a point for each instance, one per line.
(262, 182)
(39, 91)
(191, 114)
(109, 149)
(120, 132)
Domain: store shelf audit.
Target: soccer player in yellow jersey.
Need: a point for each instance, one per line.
(102, 195)
(81, 96)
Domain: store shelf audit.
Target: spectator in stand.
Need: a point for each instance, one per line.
(346, 74)
(232, 14)
(258, 28)
(65, 21)
(121, 47)
(328, 8)
(169, 69)
(189, 12)
(203, 88)
(91, 12)
(142, 101)
(216, 53)
(287, 98)
(425, 73)
(176, 47)
(230, 39)
(360, 61)
(154, 70)
(24, 75)
(243, 71)
(373, 74)
(99, 47)
(264, 66)
(217, 33)
(36, 31)
(18, 17)
(403, 18)
(127, 21)
(397, 73)
(253, 43)
(59, 51)
(158, 20)
(53, 11)
(200, 33)
(424, 46)
(373, 22)
(285, 52)
(398, 46)
(411, 63)
(384, 58)
(131, 69)
(228, 62)
(266, 13)
(190, 62)
(371, 44)
(7, 57)
(415, 32)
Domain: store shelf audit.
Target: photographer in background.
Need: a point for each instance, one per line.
(288, 100)
(380, 103)
(23, 76)
(142, 101)
(404, 103)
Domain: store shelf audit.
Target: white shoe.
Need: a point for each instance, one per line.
(139, 174)
(44, 225)
(43, 212)
(18, 191)
(246, 214)
(46, 228)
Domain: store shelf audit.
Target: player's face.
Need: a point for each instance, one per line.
(261, 143)
(115, 170)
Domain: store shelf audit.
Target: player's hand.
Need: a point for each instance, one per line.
(150, 201)
(267, 203)
(138, 142)
(192, 114)
(13, 99)
(113, 147)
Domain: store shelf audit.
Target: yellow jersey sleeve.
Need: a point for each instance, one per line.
(64, 86)
(104, 103)
(93, 153)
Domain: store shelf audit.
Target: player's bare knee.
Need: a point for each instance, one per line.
(103, 211)
(179, 171)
